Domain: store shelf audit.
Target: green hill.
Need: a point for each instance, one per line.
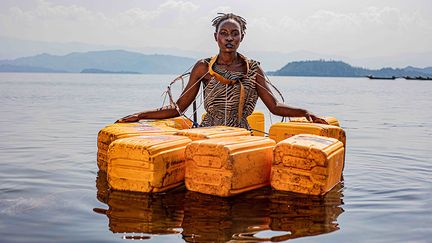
(324, 68)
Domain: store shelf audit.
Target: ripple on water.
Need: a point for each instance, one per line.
(48, 166)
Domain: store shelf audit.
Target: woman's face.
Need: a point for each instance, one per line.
(228, 36)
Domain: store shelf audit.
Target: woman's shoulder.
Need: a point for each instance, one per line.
(200, 67)
(200, 64)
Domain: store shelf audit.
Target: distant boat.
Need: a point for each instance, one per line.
(418, 78)
(373, 77)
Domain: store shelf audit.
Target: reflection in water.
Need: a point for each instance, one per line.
(205, 218)
(303, 215)
(102, 187)
(145, 213)
(215, 219)
(130, 212)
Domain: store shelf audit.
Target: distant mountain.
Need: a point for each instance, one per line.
(324, 68)
(320, 68)
(273, 60)
(120, 61)
(112, 61)
(427, 70)
(12, 48)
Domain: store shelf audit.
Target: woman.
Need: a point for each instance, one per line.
(231, 83)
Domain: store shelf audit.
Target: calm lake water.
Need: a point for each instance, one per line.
(51, 191)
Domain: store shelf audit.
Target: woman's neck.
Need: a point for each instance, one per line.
(227, 58)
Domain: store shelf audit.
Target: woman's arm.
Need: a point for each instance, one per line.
(278, 108)
(188, 95)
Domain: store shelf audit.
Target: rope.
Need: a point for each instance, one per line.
(168, 91)
(268, 91)
(164, 94)
(274, 87)
(251, 129)
(184, 92)
(211, 91)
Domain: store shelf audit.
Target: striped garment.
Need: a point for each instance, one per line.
(221, 101)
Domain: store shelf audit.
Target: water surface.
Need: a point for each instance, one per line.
(51, 190)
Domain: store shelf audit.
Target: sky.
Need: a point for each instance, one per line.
(348, 28)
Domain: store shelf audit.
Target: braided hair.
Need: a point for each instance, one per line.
(224, 16)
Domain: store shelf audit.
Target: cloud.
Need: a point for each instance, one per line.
(48, 11)
(221, 9)
(385, 19)
(349, 32)
(55, 22)
(186, 24)
(183, 7)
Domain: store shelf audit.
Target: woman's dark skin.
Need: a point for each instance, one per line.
(228, 36)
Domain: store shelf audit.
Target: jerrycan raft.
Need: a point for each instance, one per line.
(147, 163)
(112, 132)
(282, 130)
(228, 166)
(213, 132)
(307, 164)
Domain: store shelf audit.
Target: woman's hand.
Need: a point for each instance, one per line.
(130, 118)
(316, 119)
(312, 118)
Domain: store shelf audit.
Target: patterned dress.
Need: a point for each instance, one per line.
(221, 101)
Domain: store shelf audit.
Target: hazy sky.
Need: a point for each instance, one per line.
(355, 29)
